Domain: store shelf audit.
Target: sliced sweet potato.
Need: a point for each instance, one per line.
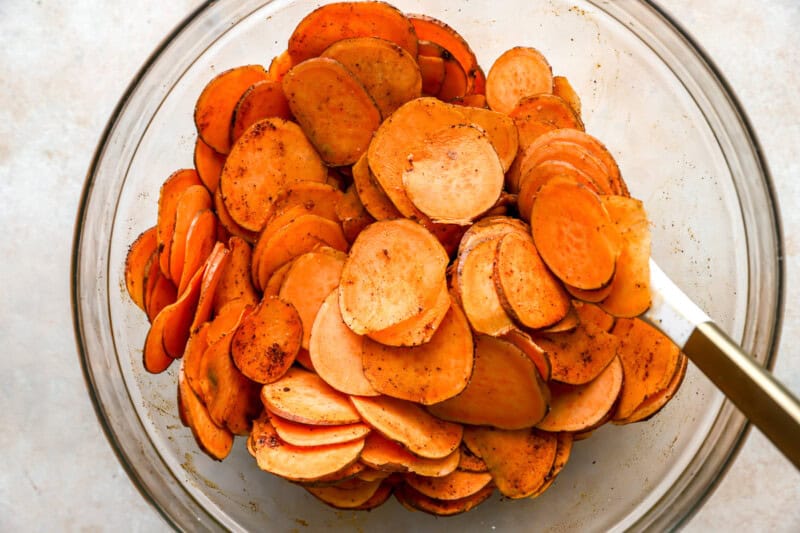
(192, 201)
(333, 107)
(335, 351)
(228, 223)
(154, 355)
(471, 100)
(193, 356)
(393, 272)
(343, 20)
(546, 148)
(168, 197)
(517, 73)
(388, 72)
(426, 374)
(454, 486)
(267, 340)
(304, 360)
(578, 356)
(212, 269)
(235, 283)
(527, 289)
(309, 280)
(273, 285)
(432, 73)
(410, 425)
(398, 137)
(430, 29)
(371, 474)
(501, 131)
(563, 451)
(518, 460)
(351, 497)
(214, 109)
(591, 296)
(316, 198)
(263, 99)
(159, 292)
(208, 163)
(455, 176)
(388, 456)
(137, 263)
(505, 374)
(548, 108)
(649, 360)
(630, 290)
(311, 435)
(178, 317)
(588, 312)
(415, 500)
(580, 407)
(215, 440)
(299, 463)
(470, 462)
(228, 319)
(271, 155)
(563, 89)
(379, 498)
(532, 181)
(656, 401)
(279, 66)
(418, 329)
(200, 240)
(341, 476)
(574, 234)
(303, 397)
(370, 193)
(524, 342)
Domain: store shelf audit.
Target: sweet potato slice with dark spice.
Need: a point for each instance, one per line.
(388, 456)
(524, 342)
(410, 425)
(352, 496)
(343, 20)
(518, 460)
(574, 234)
(263, 99)
(335, 351)
(532, 181)
(418, 329)
(378, 498)
(193, 356)
(214, 109)
(505, 374)
(548, 108)
(154, 355)
(191, 202)
(415, 500)
(137, 262)
(270, 156)
(352, 215)
(159, 291)
(372, 196)
(228, 223)
(589, 312)
(235, 283)
(517, 73)
(310, 435)
(591, 296)
(208, 163)
(580, 407)
(563, 89)
(656, 401)
(388, 72)
(426, 374)
(215, 440)
(470, 462)
(545, 148)
(303, 397)
(168, 197)
(299, 463)
(578, 356)
(279, 66)
(200, 240)
(333, 107)
(501, 131)
(453, 486)
(432, 72)
(267, 340)
(393, 272)
(178, 317)
(563, 451)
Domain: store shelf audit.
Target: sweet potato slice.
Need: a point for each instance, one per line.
(379, 497)
(393, 272)
(208, 163)
(351, 497)
(397, 138)
(371, 474)
(335, 351)
(563, 451)
(271, 155)
(518, 460)
(200, 240)
(168, 197)
(343, 20)
(546, 148)
(580, 407)
(228, 319)
(193, 356)
(588, 312)
(212, 273)
(410, 425)
(524, 342)
(454, 486)
(534, 178)
(426, 374)
(432, 71)
(505, 374)
(527, 290)
(137, 263)
(656, 401)
(370, 193)
(430, 29)
(388, 456)
(418, 329)
(299, 463)
(630, 290)
(591, 296)
(159, 292)
(335, 110)
(517, 73)
(215, 440)
(352, 215)
(491, 228)
(578, 356)
(214, 109)
(309, 280)
(562, 88)
(154, 355)
(267, 340)
(192, 201)
(279, 66)
(388, 72)
(235, 283)
(455, 176)
(311, 435)
(649, 360)
(273, 285)
(228, 223)
(263, 99)
(548, 108)
(178, 317)
(501, 131)
(477, 291)
(343, 476)
(574, 234)
(470, 462)
(303, 397)
(415, 500)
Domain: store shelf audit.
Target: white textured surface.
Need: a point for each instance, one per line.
(65, 64)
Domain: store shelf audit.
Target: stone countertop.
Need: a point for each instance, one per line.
(65, 64)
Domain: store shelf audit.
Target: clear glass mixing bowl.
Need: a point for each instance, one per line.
(684, 147)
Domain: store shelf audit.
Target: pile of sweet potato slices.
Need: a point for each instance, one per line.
(397, 275)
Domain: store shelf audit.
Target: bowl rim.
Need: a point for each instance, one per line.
(692, 45)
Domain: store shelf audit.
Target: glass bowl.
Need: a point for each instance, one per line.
(684, 147)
